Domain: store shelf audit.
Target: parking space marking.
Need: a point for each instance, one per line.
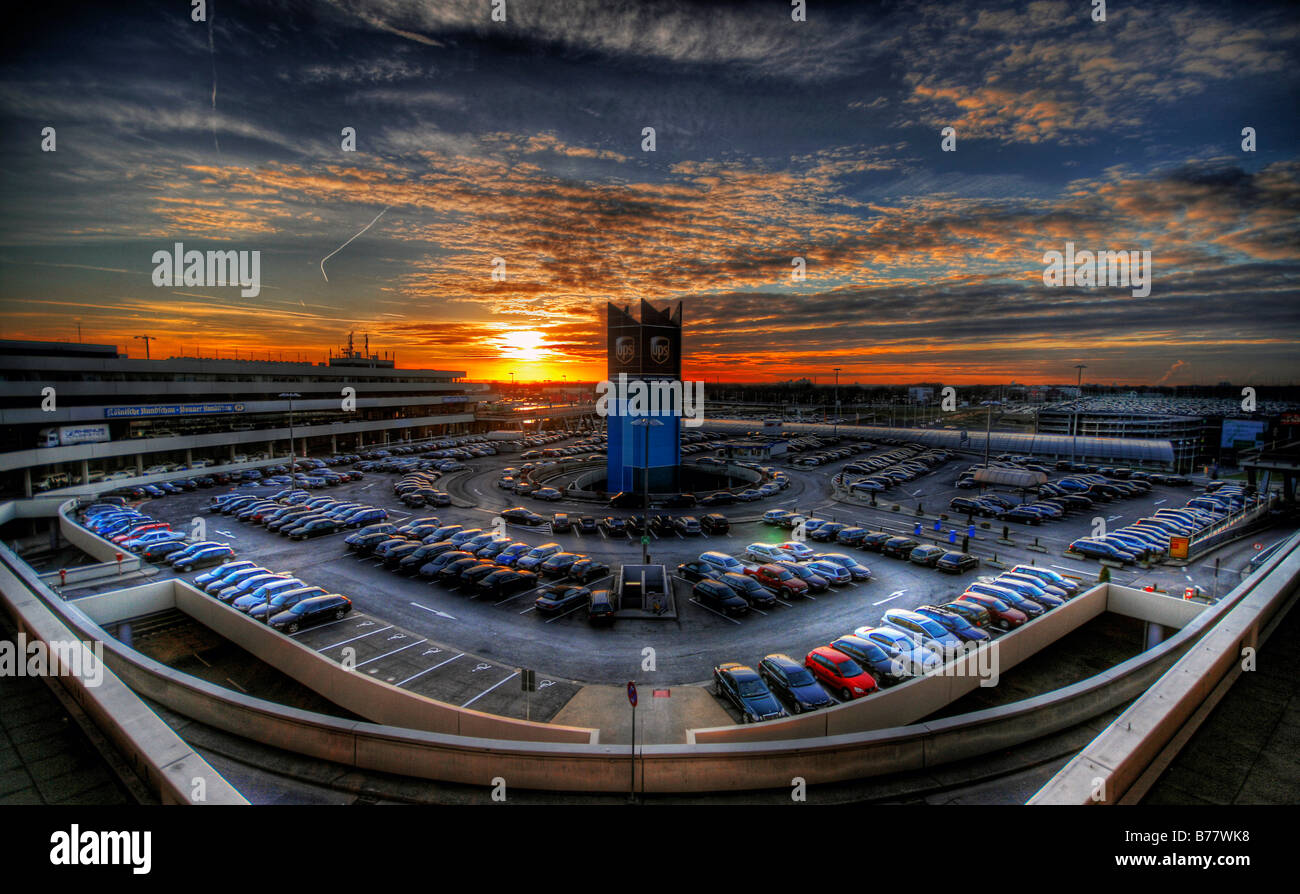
(353, 639)
(428, 669)
(565, 614)
(327, 624)
(394, 652)
(524, 593)
(1074, 570)
(718, 613)
(489, 689)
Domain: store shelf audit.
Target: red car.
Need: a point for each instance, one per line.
(142, 529)
(840, 672)
(777, 578)
(999, 610)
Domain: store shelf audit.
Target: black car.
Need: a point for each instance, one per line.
(757, 595)
(626, 500)
(792, 683)
(312, 611)
(719, 597)
(559, 564)
(394, 557)
(827, 532)
(614, 526)
(721, 498)
(956, 563)
(600, 607)
(680, 501)
(714, 523)
(697, 571)
(885, 667)
(521, 516)
(452, 571)
(431, 569)
(470, 577)
(561, 597)
(662, 524)
(505, 581)
(899, 547)
(585, 570)
(745, 689)
(410, 562)
(587, 524)
(560, 523)
(875, 541)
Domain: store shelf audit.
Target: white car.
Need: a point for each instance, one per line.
(766, 552)
(801, 551)
(912, 657)
(722, 562)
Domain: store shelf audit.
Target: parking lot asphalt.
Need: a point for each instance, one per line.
(466, 650)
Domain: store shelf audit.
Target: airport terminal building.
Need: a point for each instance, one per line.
(74, 414)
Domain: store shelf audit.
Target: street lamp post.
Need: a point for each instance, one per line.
(1074, 440)
(646, 422)
(835, 426)
(988, 428)
(291, 395)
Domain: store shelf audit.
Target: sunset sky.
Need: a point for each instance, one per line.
(774, 139)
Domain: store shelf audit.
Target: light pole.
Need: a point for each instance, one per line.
(646, 422)
(1074, 440)
(988, 428)
(292, 481)
(835, 426)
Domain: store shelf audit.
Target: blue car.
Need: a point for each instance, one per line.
(221, 571)
(881, 663)
(964, 629)
(791, 682)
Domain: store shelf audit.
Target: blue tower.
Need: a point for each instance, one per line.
(644, 358)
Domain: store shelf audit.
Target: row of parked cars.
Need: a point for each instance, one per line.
(153, 540)
(1148, 538)
(892, 545)
(878, 474)
(907, 643)
(277, 598)
(416, 490)
(478, 561)
(296, 513)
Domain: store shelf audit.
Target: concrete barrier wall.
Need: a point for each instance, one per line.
(902, 704)
(1158, 608)
(165, 763)
(1130, 753)
(595, 767)
(92, 544)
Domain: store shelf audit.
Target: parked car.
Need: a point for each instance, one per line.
(310, 611)
(744, 688)
(793, 683)
(840, 673)
(719, 597)
(956, 563)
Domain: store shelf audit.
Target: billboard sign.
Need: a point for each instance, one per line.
(196, 409)
(1243, 434)
(651, 346)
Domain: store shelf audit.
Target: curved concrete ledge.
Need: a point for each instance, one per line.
(1129, 755)
(475, 754)
(164, 762)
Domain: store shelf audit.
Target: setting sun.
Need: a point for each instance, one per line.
(526, 344)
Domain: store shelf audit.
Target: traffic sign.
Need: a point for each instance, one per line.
(631, 693)
(1259, 546)
(645, 539)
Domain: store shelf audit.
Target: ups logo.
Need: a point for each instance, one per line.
(625, 349)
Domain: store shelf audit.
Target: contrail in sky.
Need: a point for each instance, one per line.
(345, 244)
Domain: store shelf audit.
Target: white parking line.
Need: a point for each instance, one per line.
(715, 611)
(1084, 572)
(427, 669)
(394, 652)
(327, 624)
(566, 614)
(362, 636)
(893, 595)
(489, 689)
